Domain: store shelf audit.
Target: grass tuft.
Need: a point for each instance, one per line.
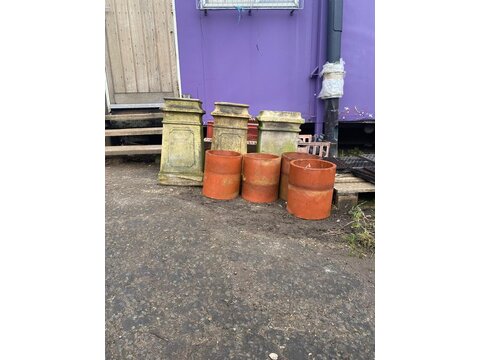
(361, 239)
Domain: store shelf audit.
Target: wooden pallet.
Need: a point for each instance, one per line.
(346, 190)
(320, 148)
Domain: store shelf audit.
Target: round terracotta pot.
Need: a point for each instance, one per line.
(310, 188)
(286, 159)
(222, 174)
(260, 177)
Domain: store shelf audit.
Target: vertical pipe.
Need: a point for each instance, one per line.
(321, 27)
(334, 37)
(334, 33)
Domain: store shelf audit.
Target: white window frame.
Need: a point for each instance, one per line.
(249, 4)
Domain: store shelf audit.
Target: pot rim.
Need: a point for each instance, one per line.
(261, 156)
(318, 161)
(224, 153)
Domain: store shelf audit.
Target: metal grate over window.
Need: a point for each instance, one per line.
(249, 4)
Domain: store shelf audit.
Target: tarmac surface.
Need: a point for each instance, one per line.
(189, 277)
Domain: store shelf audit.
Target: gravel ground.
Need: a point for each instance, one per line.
(193, 278)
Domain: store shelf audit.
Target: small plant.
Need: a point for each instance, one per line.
(362, 237)
(351, 152)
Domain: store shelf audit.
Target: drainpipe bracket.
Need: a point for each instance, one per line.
(314, 73)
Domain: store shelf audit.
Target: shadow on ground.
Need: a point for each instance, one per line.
(192, 278)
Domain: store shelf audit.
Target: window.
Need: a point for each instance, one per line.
(249, 4)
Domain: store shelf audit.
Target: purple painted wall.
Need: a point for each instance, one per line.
(358, 52)
(265, 59)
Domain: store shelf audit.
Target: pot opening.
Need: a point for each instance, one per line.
(223, 153)
(313, 164)
(261, 156)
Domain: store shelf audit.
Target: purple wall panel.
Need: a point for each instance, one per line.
(265, 59)
(358, 51)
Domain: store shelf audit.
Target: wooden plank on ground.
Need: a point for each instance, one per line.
(354, 188)
(133, 150)
(134, 131)
(347, 187)
(130, 117)
(344, 202)
(347, 178)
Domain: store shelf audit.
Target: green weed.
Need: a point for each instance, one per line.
(361, 239)
(350, 152)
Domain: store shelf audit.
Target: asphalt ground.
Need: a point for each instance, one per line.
(189, 277)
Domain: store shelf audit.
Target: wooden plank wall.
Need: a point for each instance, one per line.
(140, 51)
